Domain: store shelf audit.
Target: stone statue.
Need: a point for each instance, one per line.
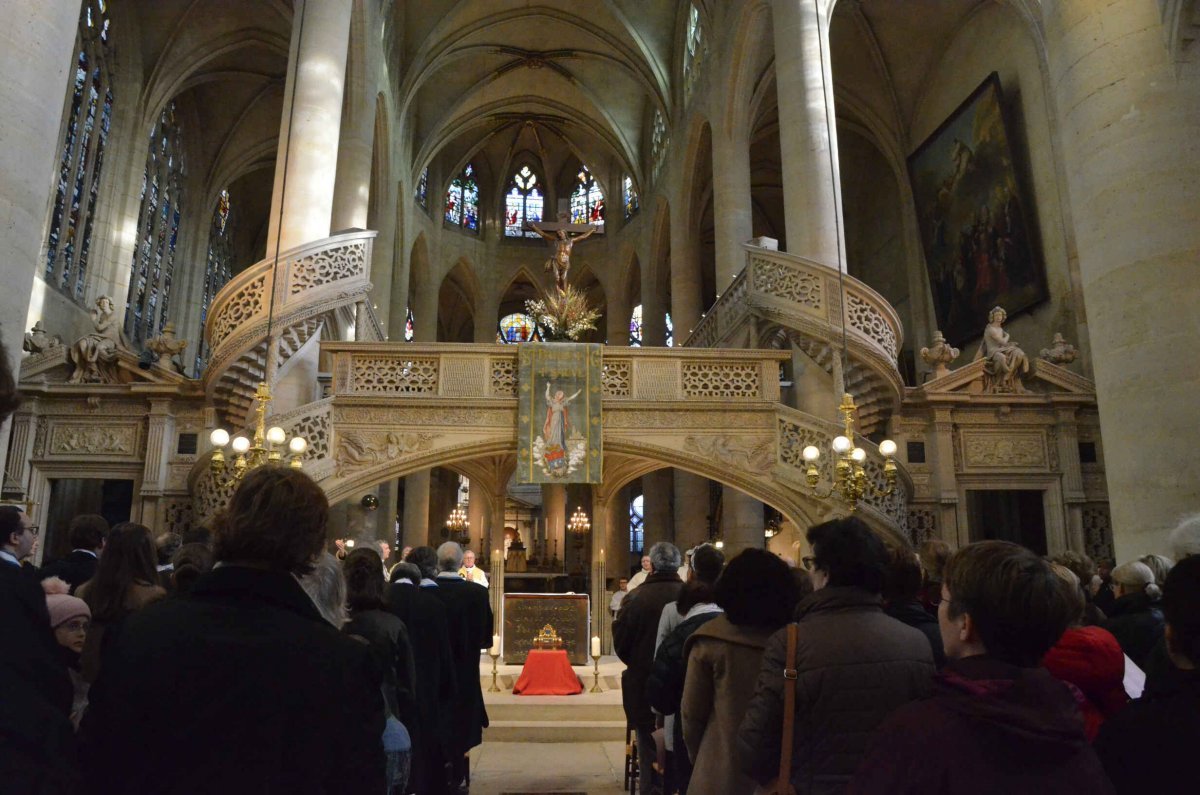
(1059, 352)
(166, 346)
(562, 236)
(39, 341)
(95, 355)
(939, 355)
(1004, 361)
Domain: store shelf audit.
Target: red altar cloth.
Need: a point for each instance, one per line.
(547, 672)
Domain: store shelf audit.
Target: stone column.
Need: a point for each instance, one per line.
(656, 507)
(691, 509)
(741, 522)
(477, 512)
(731, 200)
(554, 511)
(39, 40)
(415, 527)
(311, 124)
(1131, 119)
(812, 192)
(686, 284)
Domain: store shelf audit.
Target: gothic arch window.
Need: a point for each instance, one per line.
(85, 137)
(410, 327)
(630, 196)
(158, 232)
(523, 203)
(635, 328)
(422, 191)
(517, 327)
(462, 200)
(693, 50)
(658, 141)
(218, 267)
(637, 522)
(587, 200)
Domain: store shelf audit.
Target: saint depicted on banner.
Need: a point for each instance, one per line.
(560, 413)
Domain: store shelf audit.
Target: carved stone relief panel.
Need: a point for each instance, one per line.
(922, 523)
(1000, 450)
(358, 450)
(756, 455)
(73, 439)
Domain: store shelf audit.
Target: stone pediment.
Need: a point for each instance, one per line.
(1044, 379)
(53, 367)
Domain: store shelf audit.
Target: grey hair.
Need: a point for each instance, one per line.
(1136, 576)
(1161, 565)
(450, 556)
(326, 587)
(1185, 538)
(665, 558)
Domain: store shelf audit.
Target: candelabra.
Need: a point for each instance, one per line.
(457, 525)
(849, 478)
(264, 448)
(579, 525)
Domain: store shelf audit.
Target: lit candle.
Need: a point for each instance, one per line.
(595, 645)
(495, 650)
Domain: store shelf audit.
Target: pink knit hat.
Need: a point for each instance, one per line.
(62, 606)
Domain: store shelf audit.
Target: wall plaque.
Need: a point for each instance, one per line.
(526, 613)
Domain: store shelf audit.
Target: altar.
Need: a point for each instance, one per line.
(525, 614)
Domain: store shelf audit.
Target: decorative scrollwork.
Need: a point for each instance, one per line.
(326, 267)
(389, 375)
(785, 281)
(240, 308)
(617, 375)
(721, 380)
(869, 321)
(504, 376)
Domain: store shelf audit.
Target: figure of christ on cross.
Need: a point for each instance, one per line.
(562, 237)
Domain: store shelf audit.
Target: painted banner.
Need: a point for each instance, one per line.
(559, 436)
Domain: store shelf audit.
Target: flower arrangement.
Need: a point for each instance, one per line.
(563, 316)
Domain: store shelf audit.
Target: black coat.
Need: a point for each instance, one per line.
(37, 745)
(1149, 746)
(471, 627)
(915, 615)
(394, 654)
(75, 569)
(1137, 624)
(240, 686)
(635, 631)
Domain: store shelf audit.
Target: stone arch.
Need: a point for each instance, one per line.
(752, 39)
(419, 283)
(458, 303)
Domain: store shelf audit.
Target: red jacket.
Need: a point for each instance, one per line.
(1091, 659)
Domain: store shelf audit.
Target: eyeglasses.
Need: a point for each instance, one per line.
(32, 530)
(808, 562)
(77, 625)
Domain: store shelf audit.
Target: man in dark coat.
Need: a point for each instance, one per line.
(854, 666)
(901, 585)
(241, 686)
(1150, 745)
(428, 627)
(86, 534)
(470, 620)
(635, 631)
(997, 721)
(37, 748)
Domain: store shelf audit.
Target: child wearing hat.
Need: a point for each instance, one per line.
(70, 618)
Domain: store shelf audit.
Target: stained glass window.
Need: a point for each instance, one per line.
(635, 327)
(158, 232)
(637, 521)
(218, 267)
(670, 332)
(517, 327)
(522, 204)
(69, 242)
(587, 200)
(658, 141)
(410, 327)
(422, 191)
(462, 200)
(694, 52)
(631, 197)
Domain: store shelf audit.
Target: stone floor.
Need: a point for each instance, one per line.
(595, 768)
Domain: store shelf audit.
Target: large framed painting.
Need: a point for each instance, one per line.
(977, 237)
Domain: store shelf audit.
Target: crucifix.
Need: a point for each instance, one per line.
(562, 236)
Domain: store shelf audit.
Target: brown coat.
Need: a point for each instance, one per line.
(723, 660)
(136, 597)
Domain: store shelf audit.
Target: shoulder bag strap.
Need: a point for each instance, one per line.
(789, 708)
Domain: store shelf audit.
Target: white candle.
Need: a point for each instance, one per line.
(495, 650)
(595, 645)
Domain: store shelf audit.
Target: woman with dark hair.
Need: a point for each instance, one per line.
(125, 582)
(758, 594)
(187, 564)
(390, 644)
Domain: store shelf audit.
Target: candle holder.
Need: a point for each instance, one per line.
(495, 655)
(596, 675)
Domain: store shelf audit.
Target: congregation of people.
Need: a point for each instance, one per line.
(247, 658)
(872, 669)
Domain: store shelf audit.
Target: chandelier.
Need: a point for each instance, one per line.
(850, 480)
(457, 524)
(579, 525)
(266, 447)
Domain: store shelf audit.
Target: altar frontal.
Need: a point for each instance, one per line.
(559, 437)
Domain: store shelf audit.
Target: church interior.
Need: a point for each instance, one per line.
(930, 262)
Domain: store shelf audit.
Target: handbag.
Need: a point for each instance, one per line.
(782, 785)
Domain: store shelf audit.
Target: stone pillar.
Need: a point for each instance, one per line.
(691, 509)
(656, 507)
(554, 512)
(311, 125)
(731, 201)
(951, 530)
(741, 522)
(654, 322)
(812, 192)
(1131, 117)
(477, 512)
(415, 527)
(686, 284)
(38, 45)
